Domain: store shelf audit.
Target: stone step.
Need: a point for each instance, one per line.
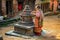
(23, 31)
(26, 29)
(24, 25)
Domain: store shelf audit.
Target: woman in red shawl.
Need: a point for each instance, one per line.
(38, 20)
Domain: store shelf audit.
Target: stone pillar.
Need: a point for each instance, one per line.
(0, 7)
(4, 7)
(15, 7)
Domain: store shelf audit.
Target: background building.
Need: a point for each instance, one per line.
(10, 8)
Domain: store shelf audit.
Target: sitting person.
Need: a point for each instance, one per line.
(38, 20)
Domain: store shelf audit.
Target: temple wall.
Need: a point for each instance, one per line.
(15, 6)
(44, 4)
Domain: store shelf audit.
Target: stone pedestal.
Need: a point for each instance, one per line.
(22, 28)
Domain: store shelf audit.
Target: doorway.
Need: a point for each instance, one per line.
(20, 4)
(9, 6)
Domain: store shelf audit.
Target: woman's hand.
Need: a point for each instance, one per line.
(33, 13)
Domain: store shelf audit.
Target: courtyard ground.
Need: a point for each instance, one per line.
(50, 24)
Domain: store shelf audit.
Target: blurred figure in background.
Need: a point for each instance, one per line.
(54, 5)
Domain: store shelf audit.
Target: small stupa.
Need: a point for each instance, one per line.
(25, 26)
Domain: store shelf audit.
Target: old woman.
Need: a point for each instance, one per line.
(38, 20)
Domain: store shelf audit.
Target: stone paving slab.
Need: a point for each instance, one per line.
(24, 26)
(44, 33)
(11, 33)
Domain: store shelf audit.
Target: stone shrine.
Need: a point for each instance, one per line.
(25, 26)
